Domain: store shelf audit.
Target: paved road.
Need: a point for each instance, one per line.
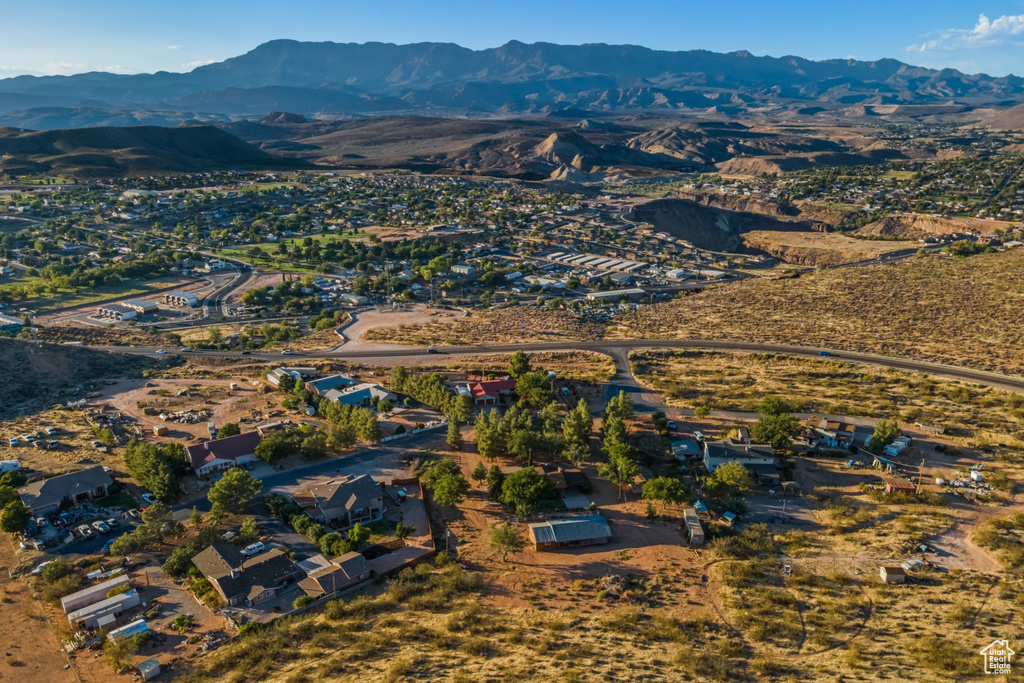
(616, 348)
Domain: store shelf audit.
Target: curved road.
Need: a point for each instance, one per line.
(618, 350)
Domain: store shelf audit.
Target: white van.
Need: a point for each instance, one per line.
(253, 549)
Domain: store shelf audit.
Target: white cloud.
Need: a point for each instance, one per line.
(197, 63)
(175, 47)
(1005, 30)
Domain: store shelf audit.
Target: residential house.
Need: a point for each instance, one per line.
(221, 454)
(463, 269)
(758, 458)
(487, 392)
(321, 386)
(343, 502)
(827, 433)
(239, 580)
(563, 478)
(48, 495)
(339, 574)
(570, 532)
(359, 395)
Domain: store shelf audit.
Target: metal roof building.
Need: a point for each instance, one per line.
(570, 531)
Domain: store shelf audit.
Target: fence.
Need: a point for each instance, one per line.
(395, 437)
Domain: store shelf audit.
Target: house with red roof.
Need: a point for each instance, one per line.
(488, 392)
(221, 454)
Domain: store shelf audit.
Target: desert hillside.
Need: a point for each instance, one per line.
(953, 310)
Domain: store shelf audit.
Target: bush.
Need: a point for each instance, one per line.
(55, 570)
(66, 585)
(302, 601)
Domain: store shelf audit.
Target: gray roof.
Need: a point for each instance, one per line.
(47, 492)
(730, 448)
(588, 528)
(253, 574)
(352, 493)
(324, 384)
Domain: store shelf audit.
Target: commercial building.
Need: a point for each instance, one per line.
(141, 307)
(116, 312)
(181, 299)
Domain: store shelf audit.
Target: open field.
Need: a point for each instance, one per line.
(820, 248)
(32, 651)
(67, 298)
(961, 311)
(493, 327)
(970, 413)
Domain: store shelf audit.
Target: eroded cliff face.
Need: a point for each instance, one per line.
(915, 226)
(709, 227)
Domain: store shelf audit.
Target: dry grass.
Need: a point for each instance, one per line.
(963, 311)
(738, 381)
(820, 248)
(507, 325)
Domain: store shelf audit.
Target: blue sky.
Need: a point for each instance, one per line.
(72, 36)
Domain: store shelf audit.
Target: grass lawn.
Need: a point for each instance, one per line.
(69, 298)
(122, 500)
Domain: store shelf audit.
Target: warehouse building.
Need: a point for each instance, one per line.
(570, 532)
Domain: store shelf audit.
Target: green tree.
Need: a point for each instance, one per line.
(8, 494)
(774, 405)
(462, 408)
(666, 490)
(779, 430)
(534, 388)
(886, 431)
(454, 439)
(619, 468)
(488, 440)
(15, 517)
(248, 530)
(451, 490)
(230, 429)
(518, 364)
(195, 518)
(314, 446)
(729, 479)
(525, 489)
(506, 539)
(358, 534)
(158, 523)
(234, 491)
(495, 479)
(576, 430)
(156, 467)
(479, 473)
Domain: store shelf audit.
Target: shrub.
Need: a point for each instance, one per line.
(302, 601)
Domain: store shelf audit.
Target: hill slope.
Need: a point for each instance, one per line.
(140, 150)
(962, 311)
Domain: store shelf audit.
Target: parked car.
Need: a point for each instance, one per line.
(253, 549)
(671, 424)
(698, 435)
(101, 527)
(41, 522)
(106, 546)
(13, 441)
(149, 498)
(112, 522)
(134, 514)
(85, 532)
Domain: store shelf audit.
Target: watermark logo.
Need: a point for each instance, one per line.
(997, 657)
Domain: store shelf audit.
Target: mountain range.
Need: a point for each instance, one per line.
(344, 80)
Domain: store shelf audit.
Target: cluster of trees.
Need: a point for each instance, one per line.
(285, 297)
(433, 391)
(14, 515)
(180, 560)
(158, 468)
(157, 524)
(446, 481)
(519, 432)
(311, 443)
(620, 466)
(347, 424)
(330, 543)
(525, 490)
(777, 425)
